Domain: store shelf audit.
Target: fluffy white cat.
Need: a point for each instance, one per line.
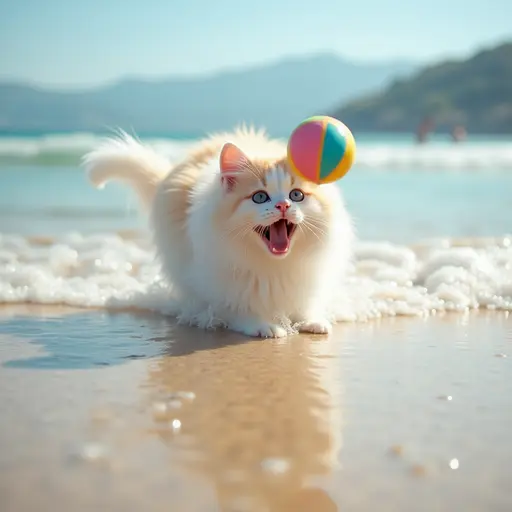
(236, 233)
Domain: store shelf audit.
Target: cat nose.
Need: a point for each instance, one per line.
(282, 206)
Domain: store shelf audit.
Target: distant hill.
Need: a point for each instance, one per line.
(277, 95)
(476, 92)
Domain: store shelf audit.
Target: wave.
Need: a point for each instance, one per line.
(115, 272)
(67, 149)
(496, 156)
(67, 212)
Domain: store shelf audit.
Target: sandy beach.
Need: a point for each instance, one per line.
(119, 411)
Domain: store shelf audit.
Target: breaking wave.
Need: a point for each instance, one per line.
(399, 154)
(111, 271)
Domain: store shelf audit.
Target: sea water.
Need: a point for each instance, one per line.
(434, 223)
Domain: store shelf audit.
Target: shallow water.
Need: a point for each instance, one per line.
(393, 206)
(398, 414)
(397, 191)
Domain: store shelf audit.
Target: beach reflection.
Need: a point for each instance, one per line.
(258, 419)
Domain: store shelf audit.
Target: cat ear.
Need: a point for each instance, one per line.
(232, 161)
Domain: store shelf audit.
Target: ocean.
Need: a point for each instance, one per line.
(410, 202)
(108, 404)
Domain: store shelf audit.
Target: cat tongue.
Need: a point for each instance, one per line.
(279, 240)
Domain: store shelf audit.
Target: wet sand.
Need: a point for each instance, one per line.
(125, 412)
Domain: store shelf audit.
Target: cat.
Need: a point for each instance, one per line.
(237, 234)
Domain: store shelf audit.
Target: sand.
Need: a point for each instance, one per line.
(124, 412)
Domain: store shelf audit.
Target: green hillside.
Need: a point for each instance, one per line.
(476, 93)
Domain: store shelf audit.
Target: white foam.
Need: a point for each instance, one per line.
(436, 156)
(105, 270)
(492, 155)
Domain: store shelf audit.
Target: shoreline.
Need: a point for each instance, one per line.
(30, 309)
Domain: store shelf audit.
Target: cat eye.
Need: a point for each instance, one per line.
(260, 197)
(297, 195)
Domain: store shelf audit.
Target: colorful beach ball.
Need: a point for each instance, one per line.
(321, 149)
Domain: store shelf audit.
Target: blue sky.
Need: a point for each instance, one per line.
(81, 43)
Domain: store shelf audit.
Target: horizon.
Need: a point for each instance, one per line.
(153, 41)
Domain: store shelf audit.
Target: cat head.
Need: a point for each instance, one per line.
(267, 210)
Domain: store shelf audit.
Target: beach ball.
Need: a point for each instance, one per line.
(321, 149)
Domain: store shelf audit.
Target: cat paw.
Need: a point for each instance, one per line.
(260, 329)
(320, 326)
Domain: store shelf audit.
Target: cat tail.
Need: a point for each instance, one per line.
(125, 159)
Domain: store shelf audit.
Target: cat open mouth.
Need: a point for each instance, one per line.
(277, 236)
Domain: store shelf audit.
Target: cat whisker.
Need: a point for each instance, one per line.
(303, 227)
(239, 231)
(314, 230)
(240, 226)
(317, 232)
(316, 224)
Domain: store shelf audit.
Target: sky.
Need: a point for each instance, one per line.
(74, 44)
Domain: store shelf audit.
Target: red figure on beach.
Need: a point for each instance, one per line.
(424, 128)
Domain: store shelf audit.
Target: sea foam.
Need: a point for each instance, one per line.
(108, 271)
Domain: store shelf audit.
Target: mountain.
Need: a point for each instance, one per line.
(278, 96)
(476, 92)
